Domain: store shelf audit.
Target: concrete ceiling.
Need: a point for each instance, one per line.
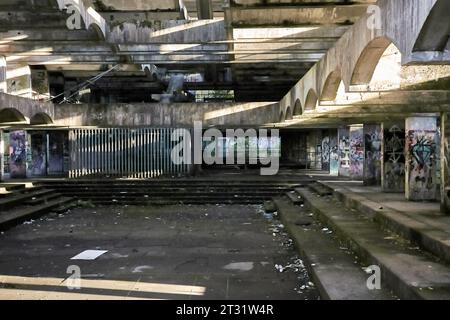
(267, 45)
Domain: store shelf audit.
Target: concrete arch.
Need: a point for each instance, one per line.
(95, 28)
(331, 86)
(282, 117)
(369, 60)
(311, 100)
(41, 118)
(435, 32)
(298, 110)
(11, 115)
(289, 113)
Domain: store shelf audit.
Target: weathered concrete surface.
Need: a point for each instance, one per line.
(27, 107)
(409, 272)
(172, 252)
(342, 60)
(332, 266)
(422, 223)
(158, 114)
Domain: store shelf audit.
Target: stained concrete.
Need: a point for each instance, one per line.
(213, 252)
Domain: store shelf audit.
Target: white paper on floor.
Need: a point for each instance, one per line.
(89, 255)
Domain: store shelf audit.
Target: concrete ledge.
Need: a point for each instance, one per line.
(410, 273)
(425, 235)
(336, 275)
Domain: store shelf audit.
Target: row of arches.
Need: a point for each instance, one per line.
(14, 116)
(378, 68)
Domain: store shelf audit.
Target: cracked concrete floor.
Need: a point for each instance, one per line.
(161, 252)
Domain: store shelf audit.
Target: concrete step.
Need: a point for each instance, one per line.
(21, 197)
(408, 271)
(429, 235)
(320, 189)
(295, 198)
(333, 270)
(38, 200)
(21, 214)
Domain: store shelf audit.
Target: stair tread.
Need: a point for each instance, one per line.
(334, 271)
(417, 270)
(23, 196)
(26, 211)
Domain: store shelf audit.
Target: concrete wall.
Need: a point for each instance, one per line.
(159, 114)
(400, 23)
(27, 107)
(373, 138)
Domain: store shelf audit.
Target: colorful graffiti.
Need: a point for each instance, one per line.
(326, 153)
(394, 159)
(18, 154)
(344, 152)
(38, 147)
(334, 156)
(356, 153)
(422, 149)
(372, 154)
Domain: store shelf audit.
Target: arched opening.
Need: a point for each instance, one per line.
(332, 87)
(40, 119)
(435, 32)
(289, 114)
(311, 100)
(10, 115)
(282, 117)
(97, 31)
(379, 65)
(298, 108)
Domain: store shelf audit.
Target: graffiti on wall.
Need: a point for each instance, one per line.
(372, 156)
(334, 156)
(38, 149)
(356, 153)
(326, 153)
(394, 159)
(344, 152)
(18, 154)
(422, 149)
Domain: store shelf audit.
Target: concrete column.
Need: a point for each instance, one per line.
(2, 155)
(373, 138)
(334, 153)
(19, 80)
(204, 9)
(3, 85)
(344, 152)
(445, 167)
(40, 84)
(393, 160)
(356, 152)
(326, 150)
(421, 153)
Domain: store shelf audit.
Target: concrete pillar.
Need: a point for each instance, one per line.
(2, 155)
(445, 166)
(334, 153)
(204, 9)
(393, 160)
(344, 152)
(373, 138)
(19, 80)
(421, 153)
(3, 85)
(356, 152)
(40, 84)
(326, 150)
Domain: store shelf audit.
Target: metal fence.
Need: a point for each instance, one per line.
(129, 153)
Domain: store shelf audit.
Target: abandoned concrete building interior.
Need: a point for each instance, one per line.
(224, 149)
